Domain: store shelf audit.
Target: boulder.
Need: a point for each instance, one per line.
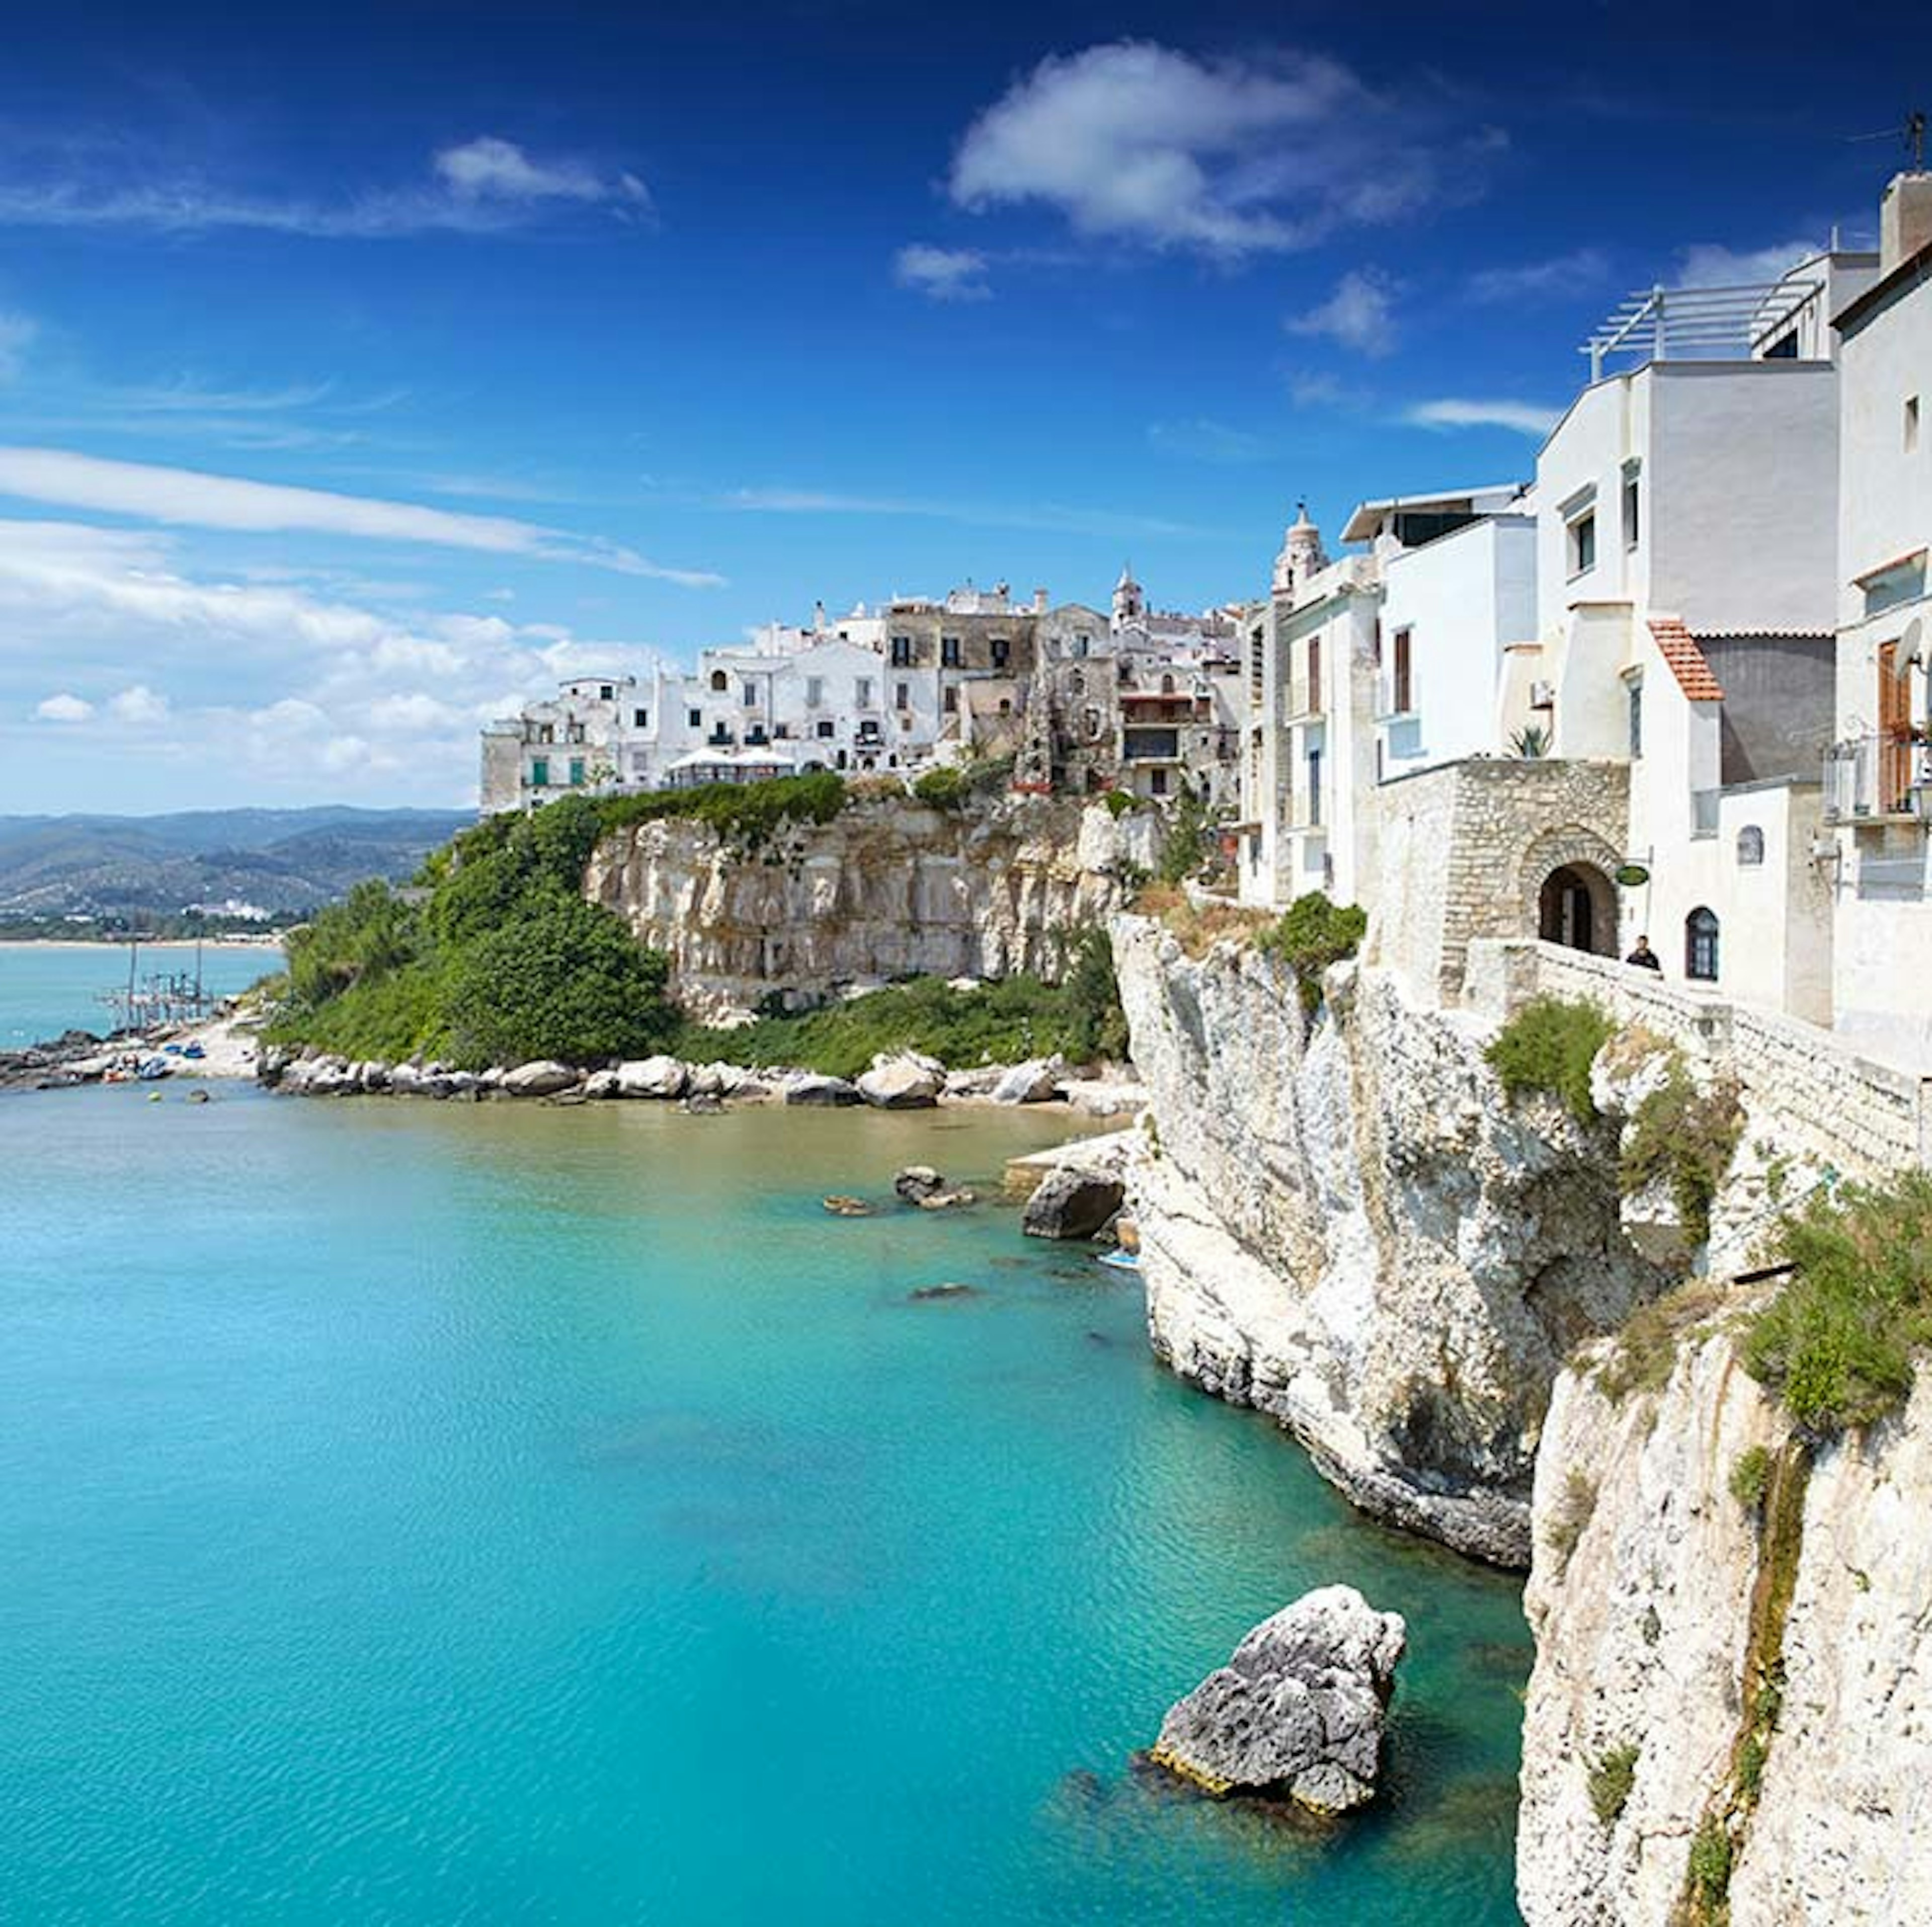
(905, 1083)
(840, 1205)
(976, 1083)
(545, 1078)
(1035, 1081)
(652, 1077)
(947, 1201)
(917, 1181)
(1299, 1709)
(810, 1089)
(1072, 1203)
(600, 1084)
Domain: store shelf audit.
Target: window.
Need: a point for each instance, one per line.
(950, 700)
(540, 772)
(825, 731)
(748, 694)
(902, 695)
(694, 719)
(720, 681)
(1167, 685)
(1633, 506)
(640, 718)
(577, 770)
(862, 692)
(814, 691)
(1076, 684)
(949, 652)
(1405, 695)
(782, 730)
(1700, 946)
(1912, 424)
(1000, 650)
(1314, 672)
(1314, 786)
(1375, 644)
(901, 651)
(1750, 846)
(1082, 642)
(1583, 541)
(605, 691)
(1157, 781)
(1634, 699)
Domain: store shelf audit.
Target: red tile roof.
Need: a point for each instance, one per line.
(1678, 648)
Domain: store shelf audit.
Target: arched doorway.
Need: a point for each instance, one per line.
(1577, 909)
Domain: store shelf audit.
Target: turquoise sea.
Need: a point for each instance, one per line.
(46, 988)
(430, 1513)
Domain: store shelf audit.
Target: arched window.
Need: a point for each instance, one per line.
(719, 680)
(1076, 684)
(1167, 685)
(1751, 846)
(1700, 946)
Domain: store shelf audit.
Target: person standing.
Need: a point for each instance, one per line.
(1644, 957)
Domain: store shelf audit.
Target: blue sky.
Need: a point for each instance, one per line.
(364, 369)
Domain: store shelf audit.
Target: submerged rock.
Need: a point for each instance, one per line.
(928, 1294)
(917, 1181)
(1072, 1203)
(1298, 1710)
(947, 1201)
(839, 1205)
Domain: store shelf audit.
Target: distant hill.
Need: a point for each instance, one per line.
(288, 861)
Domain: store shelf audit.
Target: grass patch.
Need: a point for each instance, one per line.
(1571, 1515)
(1750, 1477)
(1611, 1779)
(1687, 1137)
(1549, 1045)
(1312, 933)
(1707, 1875)
(1836, 1344)
(1198, 926)
(1643, 1358)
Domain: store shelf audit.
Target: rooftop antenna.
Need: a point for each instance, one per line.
(1912, 133)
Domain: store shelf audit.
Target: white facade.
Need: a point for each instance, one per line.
(1877, 779)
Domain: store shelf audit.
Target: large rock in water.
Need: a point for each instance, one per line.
(663, 1077)
(902, 1083)
(812, 1089)
(1297, 1710)
(1072, 1203)
(1035, 1081)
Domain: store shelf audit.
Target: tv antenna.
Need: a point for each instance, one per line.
(1912, 133)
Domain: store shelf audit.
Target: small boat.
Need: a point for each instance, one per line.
(1120, 1261)
(152, 1070)
(193, 1050)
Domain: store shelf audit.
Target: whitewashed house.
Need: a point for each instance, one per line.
(1879, 774)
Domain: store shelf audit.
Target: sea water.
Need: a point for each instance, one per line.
(46, 988)
(426, 1513)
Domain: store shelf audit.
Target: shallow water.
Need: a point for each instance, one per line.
(46, 988)
(435, 1512)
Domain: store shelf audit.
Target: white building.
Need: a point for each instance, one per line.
(1878, 777)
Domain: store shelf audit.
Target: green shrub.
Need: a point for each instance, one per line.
(750, 813)
(1611, 1779)
(1750, 1477)
(1549, 1045)
(1708, 1876)
(1312, 934)
(946, 787)
(1645, 1355)
(1836, 1342)
(1119, 802)
(1688, 1136)
(1572, 1514)
(1185, 848)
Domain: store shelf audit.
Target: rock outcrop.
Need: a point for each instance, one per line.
(1297, 1710)
(906, 1082)
(1666, 1681)
(1035, 1081)
(1348, 1226)
(888, 889)
(1072, 1203)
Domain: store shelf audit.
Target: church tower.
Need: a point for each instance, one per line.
(1129, 602)
(1300, 554)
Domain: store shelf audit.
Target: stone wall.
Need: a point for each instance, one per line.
(1464, 851)
(1826, 1102)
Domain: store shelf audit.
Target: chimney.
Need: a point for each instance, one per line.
(1904, 220)
(1039, 602)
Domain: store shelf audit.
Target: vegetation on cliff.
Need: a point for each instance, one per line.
(1687, 1135)
(1549, 1045)
(1836, 1342)
(1312, 934)
(1002, 1022)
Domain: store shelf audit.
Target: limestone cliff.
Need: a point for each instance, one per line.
(887, 889)
(1349, 1228)
(1671, 1677)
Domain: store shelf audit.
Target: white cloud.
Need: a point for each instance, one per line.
(1555, 279)
(1708, 265)
(1525, 418)
(138, 704)
(1057, 517)
(485, 185)
(490, 168)
(942, 273)
(16, 334)
(1359, 314)
(1136, 141)
(187, 497)
(64, 708)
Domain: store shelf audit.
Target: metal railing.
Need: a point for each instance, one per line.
(1876, 776)
(1711, 324)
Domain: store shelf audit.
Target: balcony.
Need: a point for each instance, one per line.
(1701, 324)
(1877, 779)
